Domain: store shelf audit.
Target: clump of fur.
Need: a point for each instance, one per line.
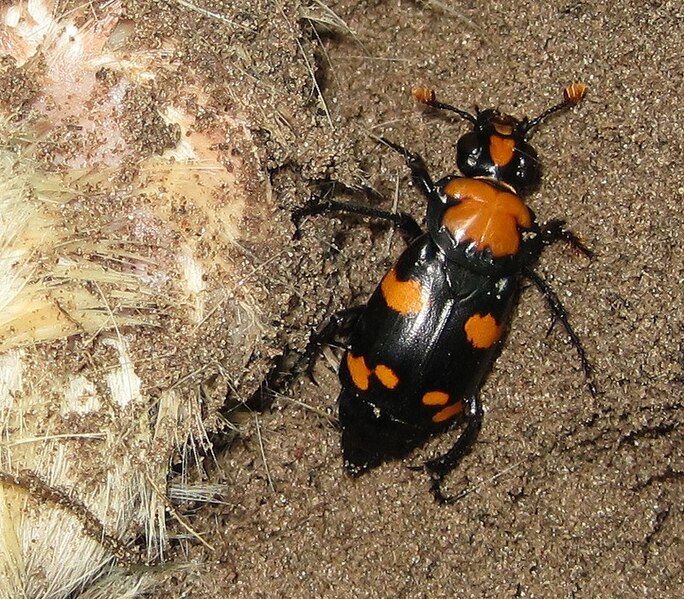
(127, 303)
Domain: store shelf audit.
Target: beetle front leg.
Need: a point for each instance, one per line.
(439, 467)
(419, 173)
(555, 230)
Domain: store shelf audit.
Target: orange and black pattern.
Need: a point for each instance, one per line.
(421, 347)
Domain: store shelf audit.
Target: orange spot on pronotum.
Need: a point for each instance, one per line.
(482, 331)
(359, 371)
(501, 149)
(386, 376)
(405, 297)
(574, 93)
(435, 398)
(486, 215)
(448, 412)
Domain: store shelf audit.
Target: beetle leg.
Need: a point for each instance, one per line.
(339, 325)
(555, 230)
(560, 315)
(403, 221)
(419, 173)
(439, 467)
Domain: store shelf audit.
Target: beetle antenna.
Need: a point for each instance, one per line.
(572, 96)
(426, 96)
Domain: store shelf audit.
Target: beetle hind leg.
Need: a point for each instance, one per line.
(440, 466)
(338, 326)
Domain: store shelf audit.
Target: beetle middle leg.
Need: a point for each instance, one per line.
(560, 314)
(341, 323)
(440, 466)
(402, 220)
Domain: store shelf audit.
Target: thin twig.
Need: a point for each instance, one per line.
(263, 454)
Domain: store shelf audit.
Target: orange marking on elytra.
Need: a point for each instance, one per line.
(386, 376)
(359, 371)
(482, 331)
(435, 398)
(486, 215)
(405, 297)
(501, 149)
(448, 412)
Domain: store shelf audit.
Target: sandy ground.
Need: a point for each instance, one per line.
(570, 496)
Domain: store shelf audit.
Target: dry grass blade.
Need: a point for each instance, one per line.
(210, 14)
